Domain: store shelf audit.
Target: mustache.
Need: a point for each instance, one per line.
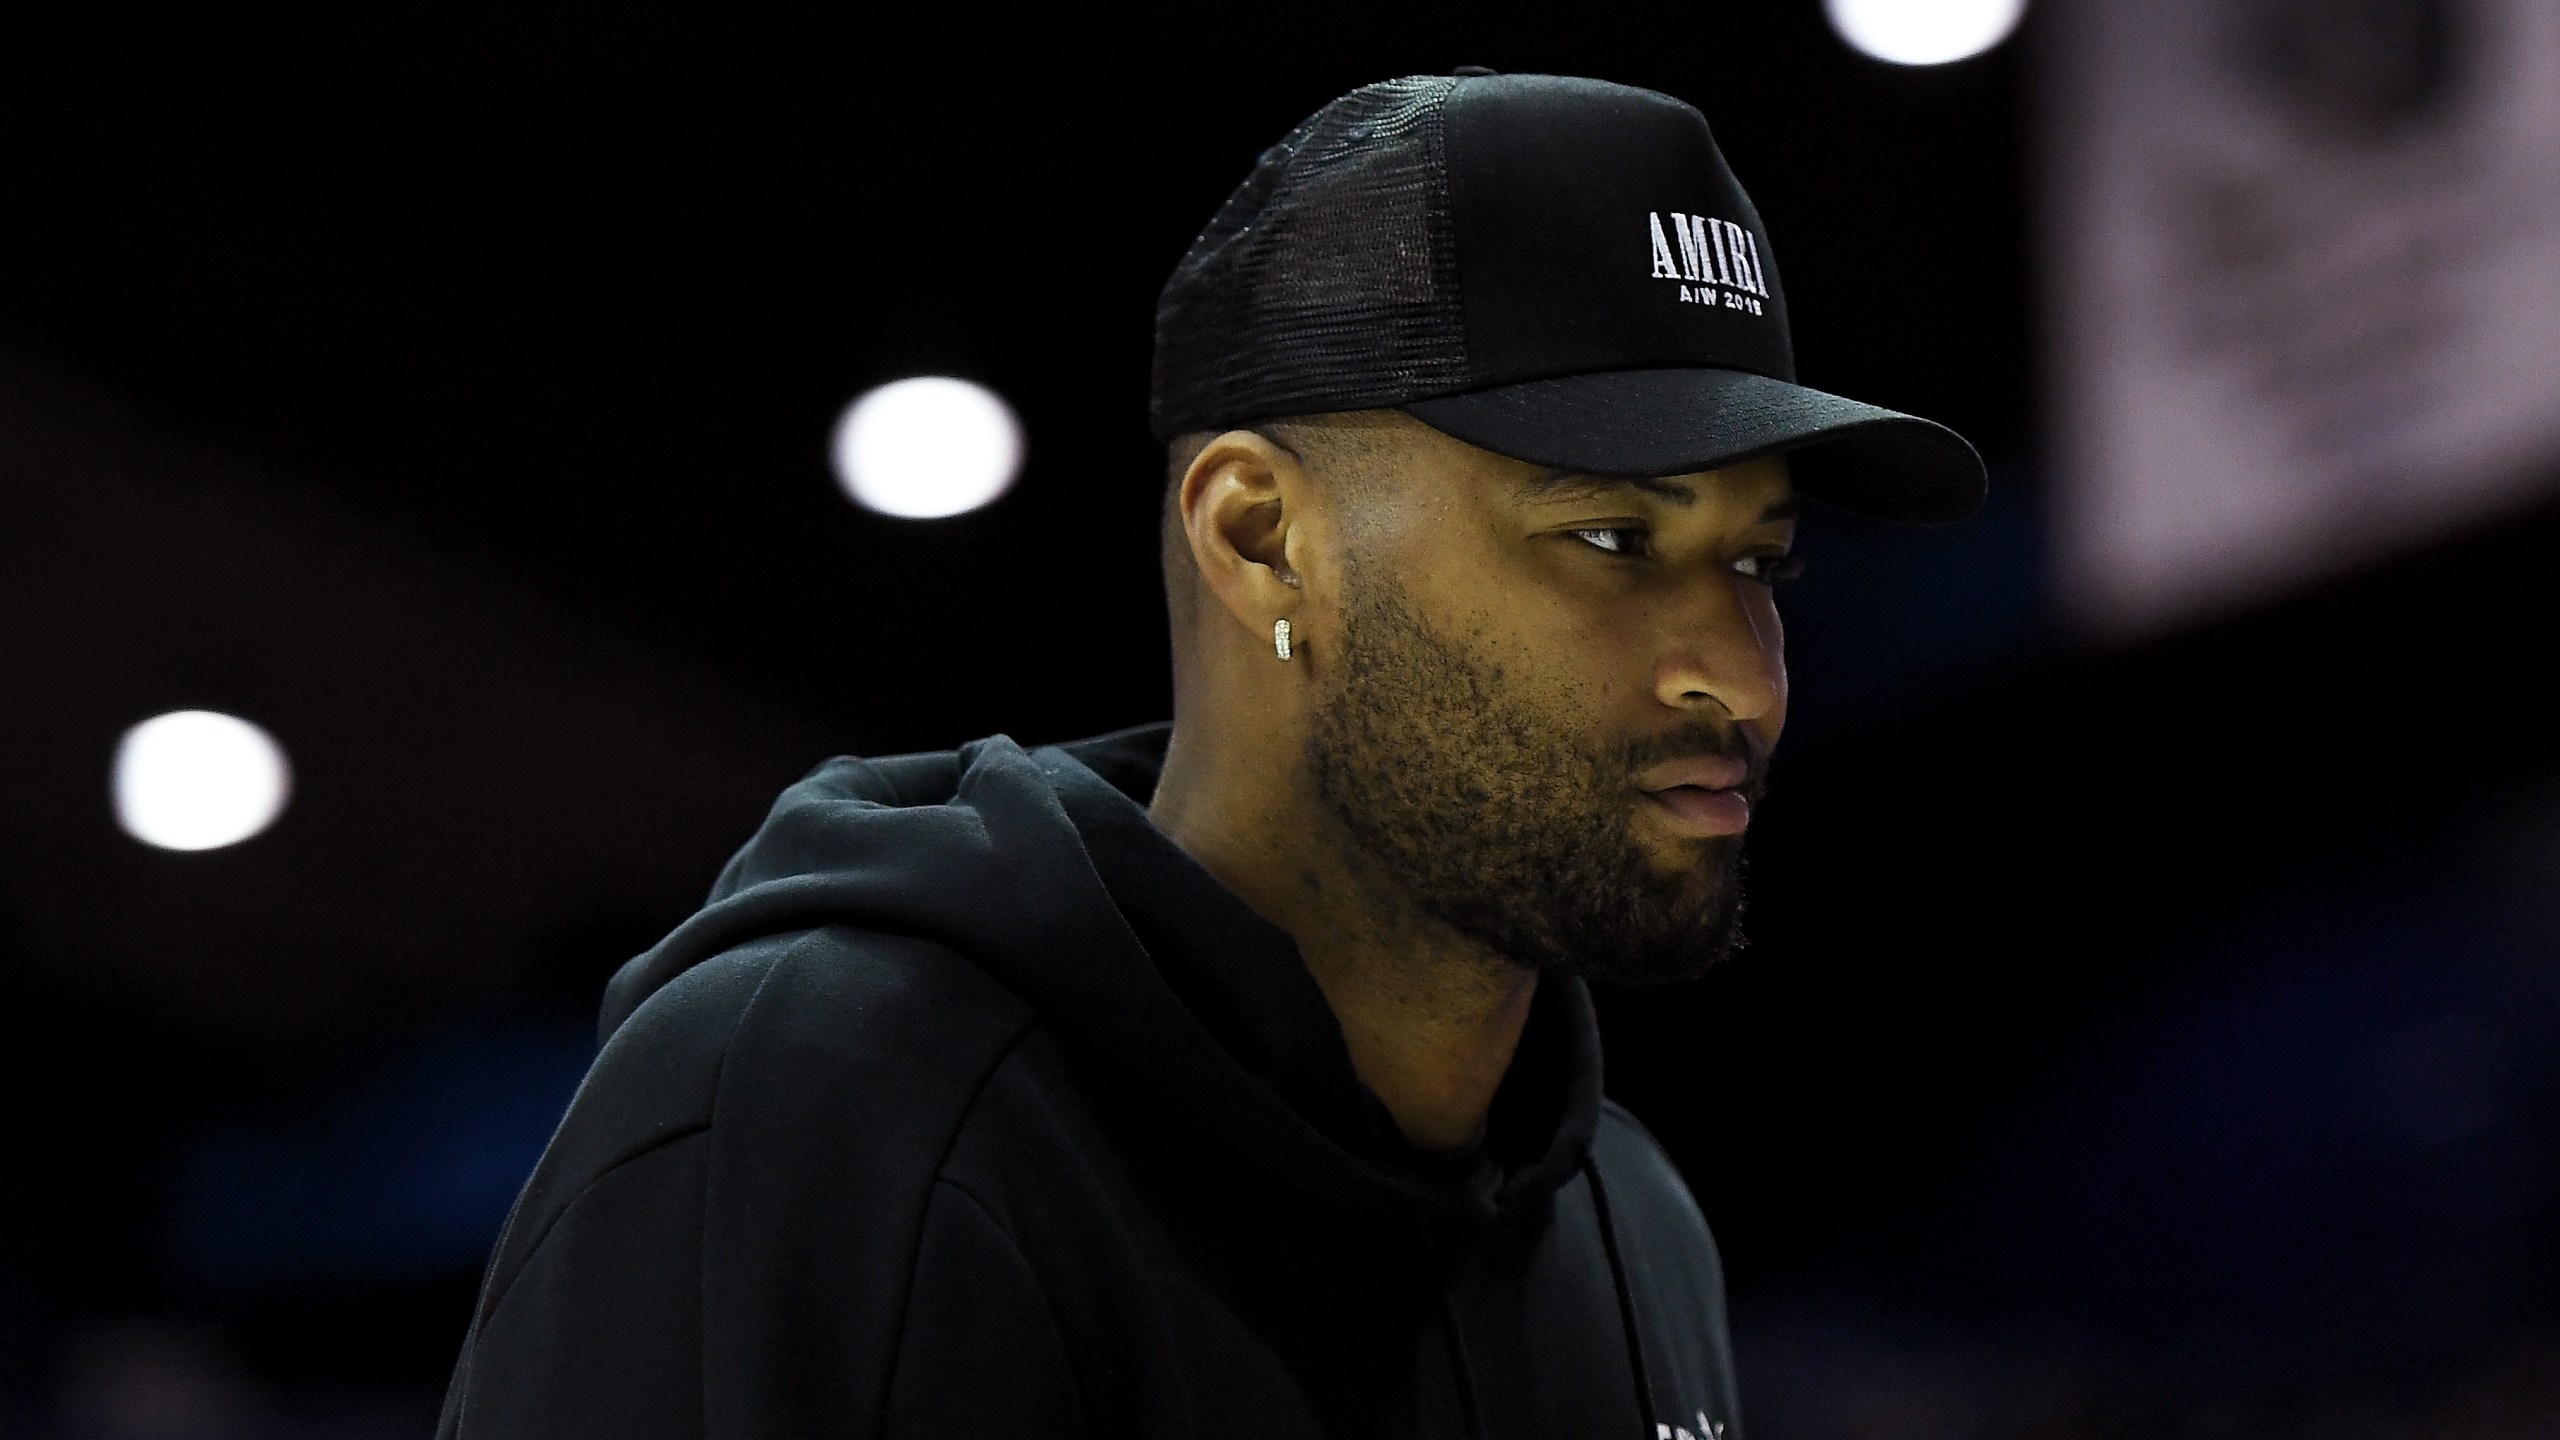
(1703, 740)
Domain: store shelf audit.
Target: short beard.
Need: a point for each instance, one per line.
(1510, 825)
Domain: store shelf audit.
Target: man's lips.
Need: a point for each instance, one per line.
(1701, 795)
(1707, 772)
(1700, 811)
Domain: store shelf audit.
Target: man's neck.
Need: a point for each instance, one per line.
(1431, 1019)
(1431, 1029)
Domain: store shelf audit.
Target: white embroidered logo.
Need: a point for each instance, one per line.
(1716, 261)
(1707, 1430)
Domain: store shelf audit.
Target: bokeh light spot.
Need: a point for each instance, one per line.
(198, 780)
(1924, 32)
(927, 447)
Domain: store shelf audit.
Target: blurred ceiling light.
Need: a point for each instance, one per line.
(1924, 32)
(927, 447)
(198, 780)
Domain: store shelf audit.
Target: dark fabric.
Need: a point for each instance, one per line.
(972, 1105)
(1433, 241)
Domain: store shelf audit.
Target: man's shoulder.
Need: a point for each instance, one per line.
(800, 1004)
(790, 1033)
(1648, 1198)
(763, 1127)
(834, 976)
(1622, 1143)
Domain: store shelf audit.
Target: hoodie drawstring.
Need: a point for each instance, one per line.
(1626, 1300)
(1466, 1374)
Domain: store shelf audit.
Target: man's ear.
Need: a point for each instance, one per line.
(1242, 499)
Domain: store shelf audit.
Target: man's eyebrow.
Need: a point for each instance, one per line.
(1573, 485)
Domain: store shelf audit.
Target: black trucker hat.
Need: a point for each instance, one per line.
(1559, 270)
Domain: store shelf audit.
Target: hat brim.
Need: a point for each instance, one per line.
(1859, 457)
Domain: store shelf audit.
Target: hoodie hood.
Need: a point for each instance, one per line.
(1042, 868)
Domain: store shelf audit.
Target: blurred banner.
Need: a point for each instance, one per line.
(2306, 288)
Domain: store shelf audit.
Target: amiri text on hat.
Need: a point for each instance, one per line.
(1710, 253)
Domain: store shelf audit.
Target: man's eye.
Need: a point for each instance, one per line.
(1616, 539)
(1770, 569)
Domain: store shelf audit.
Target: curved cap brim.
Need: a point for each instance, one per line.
(1859, 457)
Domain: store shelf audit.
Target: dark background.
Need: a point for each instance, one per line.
(2147, 1039)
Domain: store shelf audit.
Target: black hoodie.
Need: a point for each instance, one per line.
(971, 1105)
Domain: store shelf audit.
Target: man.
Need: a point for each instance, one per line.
(1238, 1076)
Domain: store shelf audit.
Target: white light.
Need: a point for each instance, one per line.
(1924, 32)
(198, 780)
(928, 447)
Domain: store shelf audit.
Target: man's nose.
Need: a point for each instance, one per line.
(1721, 651)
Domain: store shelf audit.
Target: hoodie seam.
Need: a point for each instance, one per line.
(1005, 1233)
(641, 1150)
(533, 1248)
(702, 1228)
(654, 1144)
(941, 1162)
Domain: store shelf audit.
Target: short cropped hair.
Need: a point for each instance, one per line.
(1349, 453)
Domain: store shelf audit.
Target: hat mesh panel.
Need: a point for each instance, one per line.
(1328, 280)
